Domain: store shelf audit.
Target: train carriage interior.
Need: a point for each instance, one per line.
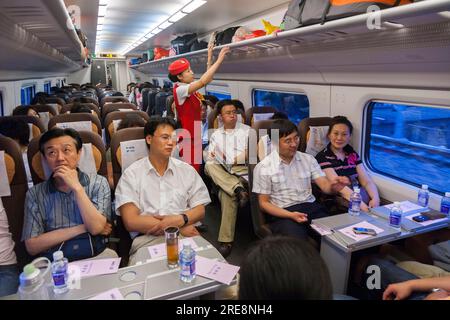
(325, 133)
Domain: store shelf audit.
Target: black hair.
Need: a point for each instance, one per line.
(284, 127)
(58, 132)
(238, 104)
(173, 78)
(130, 121)
(279, 115)
(223, 103)
(23, 110)
(16, 129)
(80, 108)
(211, 98)
(281, 267)
(340, 120)
(117, 94)
(155, 122)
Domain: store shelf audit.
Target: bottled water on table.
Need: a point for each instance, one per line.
(187, 263)
(354, 206)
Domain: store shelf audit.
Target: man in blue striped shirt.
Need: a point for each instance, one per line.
(70, 202)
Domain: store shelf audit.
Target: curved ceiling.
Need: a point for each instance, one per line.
(126, 21)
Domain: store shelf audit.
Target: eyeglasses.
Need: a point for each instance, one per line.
(296, 139)
(166, 137)
(229, 113)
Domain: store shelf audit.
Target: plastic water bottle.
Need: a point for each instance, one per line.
(445, 204)
(423, 196)
(187, 263)
(355, 202)
(395, 216)
(32, 284)
(59, 273)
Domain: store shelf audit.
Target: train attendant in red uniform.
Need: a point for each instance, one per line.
(187, 99)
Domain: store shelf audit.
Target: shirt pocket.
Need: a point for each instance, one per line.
(279, 182)
(301, 181)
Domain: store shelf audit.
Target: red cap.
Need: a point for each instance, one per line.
(178, 66)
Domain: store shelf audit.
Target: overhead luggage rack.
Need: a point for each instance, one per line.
(39, 34)
(423, 24)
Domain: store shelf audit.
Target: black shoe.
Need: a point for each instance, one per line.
(202, 228)
(242, 196)
(225, 248)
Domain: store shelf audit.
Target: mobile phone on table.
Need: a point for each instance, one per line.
(359, 230)
(421, 218)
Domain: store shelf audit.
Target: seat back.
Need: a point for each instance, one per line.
(116, 153)
(264, 112)
(116, 107)
(15, 203)
(77, 121)
(305, 127)
(258, 217)
(36, 126)
(98, 152)
(113, 99)
(93, 107)
(112, 120)
(86, 100)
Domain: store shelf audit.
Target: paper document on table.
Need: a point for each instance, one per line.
(348, 231)
(323, 231)
(215, 270)
(113, 294)
(159, 250)
(96, 267)
(408, 207)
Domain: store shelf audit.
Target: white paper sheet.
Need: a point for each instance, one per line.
(87, 161)
(348, 231)
(97, 267)
(116, 124)
(408, 207)
(113, 294)
(215, 270)
(76, 125)
(132, 151)
(261, 116)
(317, 140)
(5, 190)
(45, 118)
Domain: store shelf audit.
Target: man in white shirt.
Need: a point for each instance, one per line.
(225, 165)
(283, 184)
(159, 191)
(9, 272)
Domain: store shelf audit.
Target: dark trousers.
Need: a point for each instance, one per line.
(389, 273)
(289, 227)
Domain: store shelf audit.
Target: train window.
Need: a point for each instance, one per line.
(2, 111)
(295, 105)
(219, 95)
(27, 94)
(410, 143)
(47, 86)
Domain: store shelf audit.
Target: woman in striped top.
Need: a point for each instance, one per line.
(340, 159)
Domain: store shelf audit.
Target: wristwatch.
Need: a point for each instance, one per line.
(185, 219)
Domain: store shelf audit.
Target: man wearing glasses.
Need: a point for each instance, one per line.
(226, 165)
(159, 191)
(283, 183)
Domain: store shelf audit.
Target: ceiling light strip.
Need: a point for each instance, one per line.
(178, 15)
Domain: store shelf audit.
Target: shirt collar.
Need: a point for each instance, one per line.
(82, 177)
(170, 167)
(277, 159)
